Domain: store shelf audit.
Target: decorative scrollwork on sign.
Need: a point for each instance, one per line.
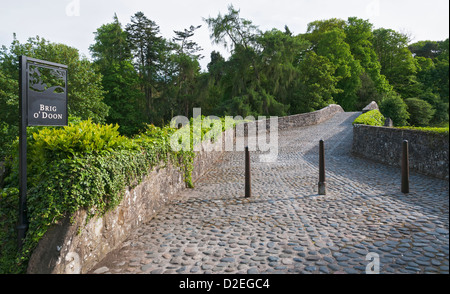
(46, 93)
(47, 80)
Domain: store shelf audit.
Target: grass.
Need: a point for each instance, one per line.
(434, 130)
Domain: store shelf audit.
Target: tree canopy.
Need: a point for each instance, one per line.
(139, 77)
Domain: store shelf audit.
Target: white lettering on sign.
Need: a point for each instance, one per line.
(45, 112)
(43, 107)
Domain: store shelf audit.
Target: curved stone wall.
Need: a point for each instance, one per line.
(75, 247)
(428, 152)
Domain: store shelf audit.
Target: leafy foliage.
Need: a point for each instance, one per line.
(84, 138)
(317, 84)
(271, 72)
(397, 62)
(434, 130)
(9, 110)
(421, 112)
(113, 59)
(371, 118)
(138, 78)
(395, 108)
(85, 92)
(87, 166)
(330, 43)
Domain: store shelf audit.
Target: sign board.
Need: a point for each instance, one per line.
(46, 90)
(42, 102)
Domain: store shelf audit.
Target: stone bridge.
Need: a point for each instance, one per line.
(286, 227)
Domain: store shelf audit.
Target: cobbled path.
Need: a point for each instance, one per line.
(286, 227)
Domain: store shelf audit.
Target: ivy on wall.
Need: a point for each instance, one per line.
(81, 166)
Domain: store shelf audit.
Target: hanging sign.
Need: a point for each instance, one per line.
(46, 92)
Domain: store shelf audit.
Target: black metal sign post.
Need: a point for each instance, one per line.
(42, 102)
(23, 223)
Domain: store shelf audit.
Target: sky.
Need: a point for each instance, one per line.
(73, 22)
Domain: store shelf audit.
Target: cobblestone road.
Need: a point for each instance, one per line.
(286, 227)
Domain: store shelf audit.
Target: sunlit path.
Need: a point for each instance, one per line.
(286, 226)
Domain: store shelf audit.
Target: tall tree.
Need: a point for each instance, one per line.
(188, 68)
(110, 44)
(432, 58)
(113, 59)
(317, 84)
(428, 49)
(214, 84)
(241, 32)
(329, 40)
(243, 87)
(280, 56)
(9, 112)
(397, 62)
(146, 46)
(359, 36)
(186, 45)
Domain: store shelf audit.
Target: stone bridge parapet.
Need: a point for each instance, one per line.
(76, 246)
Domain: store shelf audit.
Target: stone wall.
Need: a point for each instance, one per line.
(428, 153)
(76, 246)
(302, 119)
(308, 119)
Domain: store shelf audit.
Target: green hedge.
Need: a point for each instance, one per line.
(433, 130)
(371, 118)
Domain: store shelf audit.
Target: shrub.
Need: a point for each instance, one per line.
(9, 206)
(371, 118)
(421, 112)
(433, 130)
(439, 105)
(395, 108)
(77, 140)
(81, 166)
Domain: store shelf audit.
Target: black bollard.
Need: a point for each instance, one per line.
(248, 189)
(322, 186)
(405, 167)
